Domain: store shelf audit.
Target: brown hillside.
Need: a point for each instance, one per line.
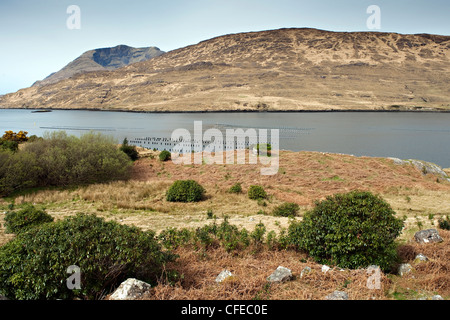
(286, 69)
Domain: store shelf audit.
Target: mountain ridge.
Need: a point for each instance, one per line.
(273, 70)
(102, 59)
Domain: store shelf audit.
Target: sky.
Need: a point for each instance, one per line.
(38, 37)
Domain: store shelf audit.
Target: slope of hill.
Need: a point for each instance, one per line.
(102, 60)
(286, 69)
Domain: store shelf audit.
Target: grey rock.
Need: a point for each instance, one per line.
(420, 258)
(305, 271)
(404, 268)
(428, 236)
(225, 274)
(3, 298)
(398, 161)
(423, 166)
(325, 268)
(437, 297)
(282, 274)
(131, 289)
(337, 295)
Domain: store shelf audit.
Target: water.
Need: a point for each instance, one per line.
(424, 136)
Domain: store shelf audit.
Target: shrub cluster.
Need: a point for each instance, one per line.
(20, 136)
(62, 160)
(444, 223)
(236, 188)
(34, 264)
(165, 155)
(185, 191)
(287, 209)
(22, 220)
(257, 193)
(130, 151)
(350, 230)
(225, 235)
(12, 146)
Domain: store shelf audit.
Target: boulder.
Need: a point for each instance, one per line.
(282, 274)
(325, 268)
(404, 268)
(428, 236)
(131, 289)
(225, 274)
(420, 258)
(337, 295)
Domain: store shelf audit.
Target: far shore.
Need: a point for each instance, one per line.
(409, 110)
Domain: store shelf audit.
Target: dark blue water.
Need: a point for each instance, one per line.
(423, 136)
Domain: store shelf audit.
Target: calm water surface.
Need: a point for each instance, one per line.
(424, 136)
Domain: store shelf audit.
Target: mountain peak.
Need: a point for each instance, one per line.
(102, 59)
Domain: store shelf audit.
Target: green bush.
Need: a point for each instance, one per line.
(34, 264)
(18, 171)
(236, 188)
(130, 151)
(256, 193)
(29, 216)
(444, 223)
(185, 191)
(165, 156)
(9, 145)
(350, 230)
(287, 209)
(61, 160)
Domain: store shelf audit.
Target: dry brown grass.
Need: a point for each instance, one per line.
(250, 271)
(303, 178)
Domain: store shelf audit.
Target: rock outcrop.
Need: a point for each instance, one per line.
(428, 236)
(131, 289)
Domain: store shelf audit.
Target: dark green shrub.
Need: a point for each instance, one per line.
(9, 145)
(18, 171)
(185, 191)
(34, 264)
(287, 209)
(256, 193)
(257, 234)
(165, 155)
(236, 188)
(29, 216)
(68, 160)
(130, 151)
(444, 224)
(172, 238)
(350, 230)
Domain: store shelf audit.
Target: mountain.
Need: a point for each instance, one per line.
(104, 59)
(285, 69)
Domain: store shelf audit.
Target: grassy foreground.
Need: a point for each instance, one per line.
(303, 177)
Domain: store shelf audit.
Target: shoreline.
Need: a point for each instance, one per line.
(232, 111)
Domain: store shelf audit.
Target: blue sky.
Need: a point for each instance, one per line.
(35, 40)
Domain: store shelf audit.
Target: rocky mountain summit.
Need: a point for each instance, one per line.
(276, 70)
(104, 59)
